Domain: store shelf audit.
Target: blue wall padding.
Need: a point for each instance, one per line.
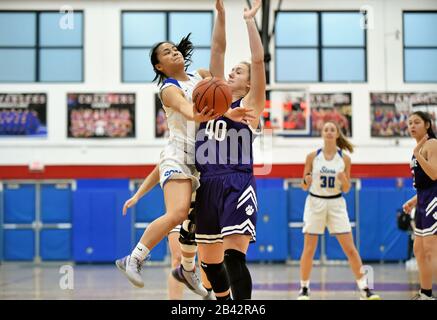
(99, 184)
(19, 245)
(296, 203)
(100, 232)
(275, 183)
(271, 243)
(296, 242)
(151, 206)
(380, 239)
(19, 204)
(55, 244)
(55, 203)
(333, 248)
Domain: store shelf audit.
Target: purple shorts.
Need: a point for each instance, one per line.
(426, 212)
(226, 204)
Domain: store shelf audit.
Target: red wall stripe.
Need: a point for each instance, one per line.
(141, 171)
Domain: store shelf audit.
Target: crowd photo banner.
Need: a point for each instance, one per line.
(101, 115)
(23, 115)
(336, 107)
(300, 113)
(389, 111)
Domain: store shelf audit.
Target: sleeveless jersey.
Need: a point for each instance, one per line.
(325, 182)
(420, 179)
(181, 131)
(224, 146)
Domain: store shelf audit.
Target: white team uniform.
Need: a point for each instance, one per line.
(177, 160)
(325, 206)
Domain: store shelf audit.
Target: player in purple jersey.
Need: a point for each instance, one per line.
(424, 170)
(226, 204)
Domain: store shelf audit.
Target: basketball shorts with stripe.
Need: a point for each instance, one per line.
(426, 212)
(225, 205)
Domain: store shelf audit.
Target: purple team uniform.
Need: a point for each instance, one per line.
(226, 200)
(426, 209)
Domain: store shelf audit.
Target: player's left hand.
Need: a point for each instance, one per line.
(240, 114)
(342, 177)
(205, 115)
(420, 145)
(250, 13)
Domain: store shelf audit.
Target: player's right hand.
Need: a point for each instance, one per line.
(240, 114)
(308, 179)
(407, 207)
(129, 204)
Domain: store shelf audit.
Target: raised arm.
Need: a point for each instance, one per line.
(256, 97)
(218, 45)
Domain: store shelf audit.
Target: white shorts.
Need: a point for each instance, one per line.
(321, 213)
(172, 165)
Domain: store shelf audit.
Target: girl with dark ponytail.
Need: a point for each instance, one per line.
(424, 168)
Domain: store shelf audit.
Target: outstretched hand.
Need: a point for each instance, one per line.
(240, 114)
(250, 13)
(408, 206)
(129, 204)
(219, 6)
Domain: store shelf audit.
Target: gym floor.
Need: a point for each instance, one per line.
(270, 282)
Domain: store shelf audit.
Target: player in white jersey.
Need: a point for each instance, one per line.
(327, 177)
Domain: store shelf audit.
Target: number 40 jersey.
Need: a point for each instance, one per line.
(224, 146)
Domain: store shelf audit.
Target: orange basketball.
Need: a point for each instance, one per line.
(214, 93)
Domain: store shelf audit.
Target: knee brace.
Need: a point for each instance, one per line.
(217, 276)
(239, 275)
(188, 229)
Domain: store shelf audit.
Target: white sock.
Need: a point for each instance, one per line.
(305, 283)
(140, 252)
(188, 263)
(362, 283)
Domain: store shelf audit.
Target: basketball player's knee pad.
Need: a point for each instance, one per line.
(217, 276)
(239, 275)
(187, 235)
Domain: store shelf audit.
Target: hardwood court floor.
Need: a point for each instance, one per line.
(270, 282)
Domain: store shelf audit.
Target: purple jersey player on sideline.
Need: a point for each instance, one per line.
(424, 170)
(226, 204)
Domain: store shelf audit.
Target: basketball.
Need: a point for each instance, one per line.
(214, 93)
